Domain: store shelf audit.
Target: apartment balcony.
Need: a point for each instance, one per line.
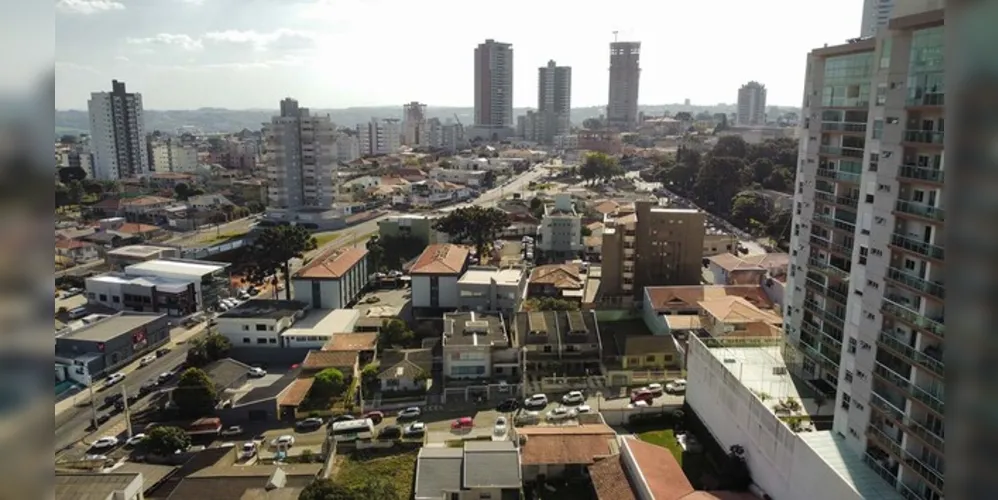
(916, 247)
(891, 306)
(629, 239)
(841, 152)
(920, 210)
(824, 338)
(935, 290)
(921, 174)
(818, 242)
(926, 101)
(825, 313)
(912, 356)
(934, 400)
(920, 137)
(842, 250)
(819, 357)
(842, 201)
(885, 441)
(910, 424)
(834, 223)
(838, 175)
(883, 472)
(845, 127)
(629, 252)
(827, 270)
(628, 274)
(833, 293)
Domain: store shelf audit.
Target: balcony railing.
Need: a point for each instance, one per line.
(914, 282)
(895, 308)
(923, 136)
(921, 210)
(818, 242)
(934, 400)
(910, 424)
(921, 173)
(830, 292)
(892, 445)
(838, 175)
(826, 339)
(827, 269)
(842, 250)
(815, 354)
(846, 201)
(839, 151)
(918, 247)
(836, 223)
(825, 313)
(843, 127)
(930, 474)
(880, 469)
(927, 100)
(912, 355)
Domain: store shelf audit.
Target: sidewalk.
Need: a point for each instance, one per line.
(176, 338)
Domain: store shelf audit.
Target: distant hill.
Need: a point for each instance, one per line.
(214, 120)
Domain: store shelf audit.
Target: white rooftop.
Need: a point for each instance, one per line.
(762, 370)
(509, 276)
(849, 465)
(138, 250)
(324, 323)
(190, 268)
(675, 210)
(165, 284)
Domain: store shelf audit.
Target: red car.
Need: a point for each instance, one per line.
(642, 395)
(462, 423)
(375, 416)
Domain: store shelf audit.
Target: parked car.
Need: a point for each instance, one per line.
(376, 416)
(583, 409)
(147, 359)
(638, 404)
(536, 401)
(309, 424)
(248, 450)
(559, 413)
(509, 405)
(165, 376)
(232, 430)
(112, 399)
(501, 427)
(244, 296)
(573, 398)
(676, 386)
(101, 419)
(390, 432)
(343, 418)
(114, 379)
(462, 423)
(286, 441)
(148, 386)
(415, 429)
(410, 413)
(257, 372)
(135, 440)
(162, 352)
(528, 417)
(105, 443)
(655, 389)
(642, 395)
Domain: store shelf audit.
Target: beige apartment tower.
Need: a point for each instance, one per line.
(300, 159)
(625, 74)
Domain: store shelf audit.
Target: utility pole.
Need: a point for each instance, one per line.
(93, 401)
(128, 415)
(523, 372)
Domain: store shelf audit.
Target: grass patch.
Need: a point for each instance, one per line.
(357, 467)
(321, 239)
(210, 238)
(666, 439)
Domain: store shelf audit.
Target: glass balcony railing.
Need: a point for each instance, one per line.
(910, 424)
(828, 220)
(894, 447)
(893, 307)
(879, 468)
(923, 137)
(932, 399)
(936, 290)
(825, 313)
(920, 209)
(921, 173)
(927, 100)
(827, 269)
(911, 355)
(846, 201)
(843, 127)
(818, 242)
(838, 175)
(835, 294)
(915, 246)
(840, 151)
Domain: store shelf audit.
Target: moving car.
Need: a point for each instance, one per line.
(536, 401)
(390, 432)
(509, 405)
(559, 413)
(114, 379)
(642, 395)
(285, 441)
(462, 423)
(676, 386)
(415, 429)
(573, 398)
(105, 442)
(309, 424)
(147, 359)
(257, 372)
(232, 430)
(655, 389)
(162, 352)
(375, 416)
(135, 440)
(412, 412)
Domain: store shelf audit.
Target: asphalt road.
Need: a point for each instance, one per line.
(71, 425)
(209, 232)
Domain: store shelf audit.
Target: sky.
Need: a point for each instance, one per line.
(240, 54)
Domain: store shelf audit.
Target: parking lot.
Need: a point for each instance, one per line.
(394, 298)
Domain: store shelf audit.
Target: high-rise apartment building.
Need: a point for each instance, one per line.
(554, 100)
(300, 158)
(494, 86)
(625, 73)
(171, 155)
(414, 129)
(651, 246)
(876, 14)
(866, 290)
(347, 147)
(379, 137)
(751, 104)
(117, 133)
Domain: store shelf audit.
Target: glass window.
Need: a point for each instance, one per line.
(878, 129)
(885, 53)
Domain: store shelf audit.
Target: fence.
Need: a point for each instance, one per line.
(621, 416)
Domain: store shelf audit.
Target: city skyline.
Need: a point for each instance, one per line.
(188, 55)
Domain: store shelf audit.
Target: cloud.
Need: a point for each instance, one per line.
(232, 66)
(279, 40)
(88, 7)
(192, 2)
(183, 41)
(64, 65)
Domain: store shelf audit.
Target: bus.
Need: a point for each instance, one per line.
(351, 430)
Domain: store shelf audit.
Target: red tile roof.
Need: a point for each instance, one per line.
(320, 360)
(687, 297)
(334, 264)
(295, 393)
(351, 342)
(145, 200)
(68, 244)
(659, 469)
(566, 445)
(441, 259)
(136, 228)
(610, 480)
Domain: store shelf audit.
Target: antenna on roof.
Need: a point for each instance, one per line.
(614, 37)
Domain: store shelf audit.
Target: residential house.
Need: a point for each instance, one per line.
(144, 232)
(667, 307)
(560, 451)
(76, 251)
(768, 270)
(144, 208)
(560, 232)
(209, 202)
(404, 370)
(435, 275)
(98, 486)
(567, 343)
(558, 281)
(479, 470)
(318, 326)
(250, 191)
(737, 317)
(717, 241)
(633, 356)
(365, 344)
(333, 280)
(260, 322)
(432, 193)
(476, 346)
(484, 288)
(347, 362)
(472, 178)
(419, 226)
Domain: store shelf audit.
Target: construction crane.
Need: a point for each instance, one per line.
(458, 120)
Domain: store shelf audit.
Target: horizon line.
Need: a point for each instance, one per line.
(427, 105)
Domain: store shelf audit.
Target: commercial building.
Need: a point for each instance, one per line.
(435, 275)
(98, 486)
(493, 90)
(485, 289)
(117, 134)
(119, 258)
(301, 159)
(554, 101)
(652, 246)
(876, 14)
(625, 74)
(260, 322)
(106, 345)
(751, 104)
(333, 280)
(411, 225)
(870, 218)
(142, 294)
(320, 326)
(211, 279)
(560, 233)
(469, 341)
(415, 132)
(379, 137)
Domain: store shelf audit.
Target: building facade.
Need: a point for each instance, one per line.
(300, 159)
(435, 275)
(117, 134)
(870, 218)
(414, 130)
(554, 101)
(876, 14)
(379, 137)
(751, 104)
(173, 156)
(494, 86)
(560, 232)
(625, 74)
(333, 281)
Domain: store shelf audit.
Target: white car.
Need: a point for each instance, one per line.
(500, 427)
(528, 418)
(583, 409)
(676, 386)
(638, 404)
(232, 430)
(114, 379)
(147, 359)
(136, 439)
(412, 412)
(559, 413)
(256, 371)
(286, 441)
(536, 401)
(248, 450)
(414, 429)
(573, 398)
(655, 389)
(105, 442)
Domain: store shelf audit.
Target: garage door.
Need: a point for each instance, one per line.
(257, 415)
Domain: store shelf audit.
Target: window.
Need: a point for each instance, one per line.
(881, 94)
(846, 400)
(246, 340)
(862, 254)
(116, 299)
(245, 328)
(848, 376)
(260, 327)
(858, 405)
(852, 346)
(261, 341)
(873, 284)
(878, 129)
(103, 298)
(650, 359)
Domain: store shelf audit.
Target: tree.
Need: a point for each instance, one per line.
(375, 252)
(489, 179)
(326, 489)
(684, 116)
(195, 393)
(197, 353)
(67, 140)
(761, 169)
(273, 250)
(217, 346)
(328, 383)
(750, 211)
(537, 207)
(550, 304)
(730, 145)
(75, 192)
(369, 376)
(600, 167)
(182, 191)
(778, 225)
(777, 181)
(592, 123)
(586, 231)
(475, 225)
(165, 440)
(717, 183)
(394, 333)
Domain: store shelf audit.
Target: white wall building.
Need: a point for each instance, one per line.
(211, 279)
(494, 87)
(468, 342)
(117, 134)
(435, 275)
(300, 159)
(173, 156)
(332, 281)
(561, 227)
(259, 323)
(625, 76)
(318, 327)
(415, 132)
(554, 101)
(379, 137)
(752, 104)
(347, 148)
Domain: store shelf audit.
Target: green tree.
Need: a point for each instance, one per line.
(328, 383)
(778, 225)
(750, 211)
(550, 304)
(217, 346)
(165, 440)
(195, 393)
(182, 191)
(375, 253)
(592, 123)
(394, 333)
(761, 169)
(273, 249)
(684, 116)
(717, 183)
(75, 192)
(730, 145)
(369, 375)
(204, 350)
(326, 489)
(586, 231)
(475, 225)
(67, 140)
(537, 207)
(599, 167)
(777, 180)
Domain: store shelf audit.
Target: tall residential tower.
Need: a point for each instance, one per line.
(751, 104)
(625, 73)
(554, 100)
(300, 159)
(117, 134)
(493, 89)
(414, 129)
(865, 300)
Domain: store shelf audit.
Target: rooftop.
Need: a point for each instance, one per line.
(471, 329)
(138, 251)
(849, 465)
(265, 309)
(579, 444)
(563, 276)
(296, 392)
(438, 470)
(665, 298)
(333, 265)
(191, 268)
(352, 342)
(320, 360)
(162, 284)
(93, 486)
(737, 310)
(227, 373)
(112, 326)
(485, 275)
(442, 258)
(761, 369)
(556, 327)
(405, 363)
(481, 464)
(323, 323)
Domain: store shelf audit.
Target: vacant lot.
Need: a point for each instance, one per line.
(354, 469)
